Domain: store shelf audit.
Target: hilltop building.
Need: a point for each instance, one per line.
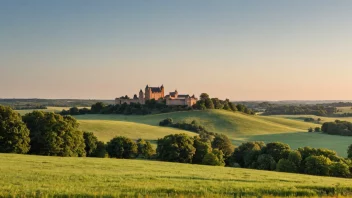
(157, 93)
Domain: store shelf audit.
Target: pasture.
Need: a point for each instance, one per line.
(40, 176)
(238, 126)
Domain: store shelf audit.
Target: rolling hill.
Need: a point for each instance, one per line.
(238, 126)
(40, 176)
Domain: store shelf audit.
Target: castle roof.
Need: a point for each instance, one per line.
(155, 89)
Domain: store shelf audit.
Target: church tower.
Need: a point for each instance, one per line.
(141, 97)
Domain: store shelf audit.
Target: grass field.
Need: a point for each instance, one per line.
(343, 110)
(39, 176)
(49, 109)
(239, 127)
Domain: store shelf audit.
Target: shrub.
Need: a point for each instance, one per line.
(91, 142)
(202, 148)
(295, 157)
(122, 147)
(240, 152)
(54, 135)
(14, 135)
(277, 150)
(224, 144)
(100, 151)
(317, 165)
(145, 149)
(285, 165)
(214, 158)
(317, 129)
(310, 129)
(339, 169)
(266, 162)
(166, 122)
(176, 148)
(349, 151)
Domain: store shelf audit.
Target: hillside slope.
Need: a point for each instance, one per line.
(39, 176)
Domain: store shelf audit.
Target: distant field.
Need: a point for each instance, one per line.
(239, 127)
(343, 110)
(49, 109)
(39, 176)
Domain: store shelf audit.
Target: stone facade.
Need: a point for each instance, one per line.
(158, 93)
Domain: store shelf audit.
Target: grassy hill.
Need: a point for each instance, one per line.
(239, 127)
(39, 176)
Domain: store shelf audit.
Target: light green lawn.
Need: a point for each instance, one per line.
(39, 176)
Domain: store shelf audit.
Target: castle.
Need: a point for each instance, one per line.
(158, 93)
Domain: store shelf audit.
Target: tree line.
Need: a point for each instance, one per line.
(318, 110)
(154, 106)
(337, 128)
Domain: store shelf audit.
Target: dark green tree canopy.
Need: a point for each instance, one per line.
(223, 143)
(91, 142)
(122, 147)
(14, 135)
(55, 135)
(176, 148)
(145, 149)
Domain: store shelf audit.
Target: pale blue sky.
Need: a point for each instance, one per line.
(242, 50)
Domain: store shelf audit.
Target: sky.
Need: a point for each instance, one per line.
(241, 50)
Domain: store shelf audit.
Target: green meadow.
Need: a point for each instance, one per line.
(39, 176)
(238, 126)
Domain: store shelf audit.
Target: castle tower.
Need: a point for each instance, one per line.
(141, 97)
(147, 92)
(162, 91)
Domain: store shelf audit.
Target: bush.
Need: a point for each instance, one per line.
(349, 151)
(91, 142)
(266, 162)
(176, 148)
(295, 157)
(224, 144)
(240, 152)
(100, 151)
(285, 165)
(277, 150)
(14, 135)
(317, 129)
(54, 135)
(337, 128)
(214, 158)
(310, 129)
(339, 169)
(122, 147)
(202, 148)
(317, 165)
(145, 149)
(166, 122)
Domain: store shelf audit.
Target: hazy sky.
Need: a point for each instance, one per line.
(241, 50)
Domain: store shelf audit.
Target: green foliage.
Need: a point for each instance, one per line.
(317, 129)
(91, 142)
(176, 148)
(285, 165)
(295, 157)
(317, 165)
(14, 135)
(266, 162)
(166, 122)
(277, 150)
(97, 107)
(310, 129)
(214, 158)
(100, 151)
(204, 96)
(244, 149)
(223, 143)
(145, 149)
(202, 148)
(122, 147)
(55, 135)
(209, 103)
(337, 128)
(349, 151)
(217, 104)
(340, 169)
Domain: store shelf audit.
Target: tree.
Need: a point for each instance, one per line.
(214, 158)
(145, 149)
(202, 148)
(285, 165)
(244, 149)
(224, 144)
(295, 157)
(209, 103)
(317, 129)
(122, 147)
(97, 107)
(349, 151)
(176, 148)
(55, 135)
(232, 106)
(266, 162)
(217, 103)
(14, 135)
(91, 142)
(204, 96)
(317, 165)
(339, 169)
(100, 151)
(277, 150)
(310, 129)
